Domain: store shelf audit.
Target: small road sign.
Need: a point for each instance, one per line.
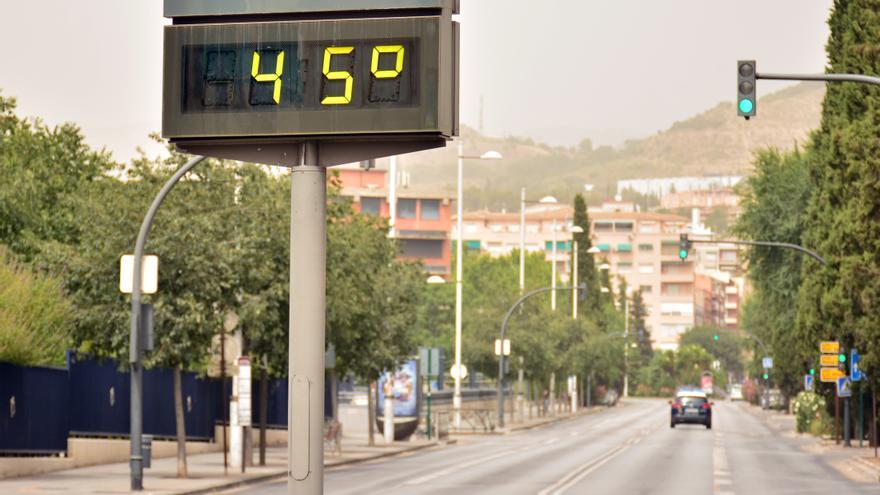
(828, 360)
(844, 386)
(506, 347)
(829, 347)
(856, 371)
(454, 372)
(830, 375)
(767, 362)
(429, 360)
(808, 383)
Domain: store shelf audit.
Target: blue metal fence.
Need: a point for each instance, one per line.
(33, 411)
(40, 407)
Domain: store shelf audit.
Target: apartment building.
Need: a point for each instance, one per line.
(640, 247)
(423, 219)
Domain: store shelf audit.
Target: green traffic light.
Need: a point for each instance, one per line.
(715, 337)
(766, 376)
(841, 357)
(746, 105)
(812, 371)
(682, 253)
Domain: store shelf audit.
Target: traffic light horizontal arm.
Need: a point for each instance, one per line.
(859, 78)
(786, 245)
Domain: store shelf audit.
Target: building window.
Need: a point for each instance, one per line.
(495, 227)
(406, 208)
(646, 248)
(421, 248)
(470, 227)
(623, 226)
(646, 268)
(514, 227)
(646, 289)
(430, 209)
(371, 206)
(624, 267)
(532, 228)
(677, 309)
(603, 226)
(677, 289)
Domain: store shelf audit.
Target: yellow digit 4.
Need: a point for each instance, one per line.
(276, 77)
(398, 63)
(338, 75)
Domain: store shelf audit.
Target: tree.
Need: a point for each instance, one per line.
(728, 348)
(35, 317)
(42, 168)
(586, 265)
(841, 300)
(774, 202)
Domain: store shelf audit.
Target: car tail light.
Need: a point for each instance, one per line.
(676, 405)
(707, 406)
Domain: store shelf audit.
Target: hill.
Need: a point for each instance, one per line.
(715, 142)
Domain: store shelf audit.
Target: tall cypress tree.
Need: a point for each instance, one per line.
(842, 300)
(586, 264)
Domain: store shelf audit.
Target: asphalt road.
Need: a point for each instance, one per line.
(624, 450)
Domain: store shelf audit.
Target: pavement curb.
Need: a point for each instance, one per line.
(869, 466)
(280, 474)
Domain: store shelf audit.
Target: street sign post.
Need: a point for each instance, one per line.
(844, 387)
(830, 375)
(808, 383)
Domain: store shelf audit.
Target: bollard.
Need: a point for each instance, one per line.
(147, 450)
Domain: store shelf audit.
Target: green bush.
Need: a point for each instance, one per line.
(809, 410)
(35, 317)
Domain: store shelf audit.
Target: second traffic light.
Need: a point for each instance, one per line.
(684, 246)
(746, 90)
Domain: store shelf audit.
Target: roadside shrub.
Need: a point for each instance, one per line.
(809, 409)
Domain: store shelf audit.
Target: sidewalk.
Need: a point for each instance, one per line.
(205, 472)
(846, 459)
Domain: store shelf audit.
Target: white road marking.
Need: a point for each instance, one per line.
(464, 465)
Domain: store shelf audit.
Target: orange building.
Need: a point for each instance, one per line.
(423, 220)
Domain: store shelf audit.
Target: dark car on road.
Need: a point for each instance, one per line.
(691, 407)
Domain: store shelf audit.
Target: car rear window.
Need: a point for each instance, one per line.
(692, 401)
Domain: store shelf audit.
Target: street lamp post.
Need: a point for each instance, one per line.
(546, 200)
(456, 396)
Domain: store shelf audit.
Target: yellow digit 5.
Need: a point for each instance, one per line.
(276, 77)
(398, 63)
(338, 75)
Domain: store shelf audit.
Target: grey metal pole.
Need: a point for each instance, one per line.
(847, 437)
(859, 78)
(459, 253)
(135, 352)
(308, 249)
(553, 273)
(786, 245)
(626, 345)
(522, 240)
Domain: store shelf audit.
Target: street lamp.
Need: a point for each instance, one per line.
(546, 200)
(436, 280)
(489, 155)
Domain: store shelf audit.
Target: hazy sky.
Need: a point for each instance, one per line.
(554, 70)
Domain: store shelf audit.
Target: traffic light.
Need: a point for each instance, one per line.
(812, 371)
(766, 376)
(715, 337)
(684, 245)
(841, 357)
(746, 92)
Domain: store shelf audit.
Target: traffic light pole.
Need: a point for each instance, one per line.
(857, 78)
(785, 245)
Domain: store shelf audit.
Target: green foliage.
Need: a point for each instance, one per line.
(586, 264)
(728, 349)
(42, 169)
(669, 370)
(809, 408)
(842, 299)
(35, 318)
(774, 201)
